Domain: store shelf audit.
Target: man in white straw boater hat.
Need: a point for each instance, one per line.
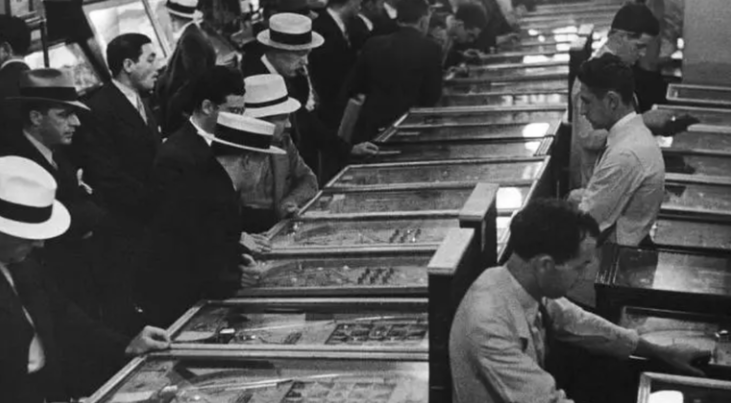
(289, 41)
(39, 325)
(286, 182)
(194, 245)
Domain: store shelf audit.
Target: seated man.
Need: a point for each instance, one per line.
(511, 314)
(41, 328)
(286, 182)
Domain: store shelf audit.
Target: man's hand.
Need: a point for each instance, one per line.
(663, 122)
(150, 339)
(363, 149)
(250, 272)
(255, 243)
(575, 196)
(288, 208)
(678, 356)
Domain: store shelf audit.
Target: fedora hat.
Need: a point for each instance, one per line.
(288, 31)
(266, 95)
(184, 8)
(28, 205)
(49, 85)
(244, 133)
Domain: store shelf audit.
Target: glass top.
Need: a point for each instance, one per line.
(481, 117)
(523, 58)
(456, 88)
(503, 100)
(273, 381)
(697, 165)
(335, 326)
(697, 141)
(68, 57)
(524, 130)
(345, 272)
(707, 94)
(482, 73)
(508, 199)
(673, 271)
(692, 393)
(453, 151)
(708, 117)
(503, 172)
(692, 234)
(701, 197)
(331, 233)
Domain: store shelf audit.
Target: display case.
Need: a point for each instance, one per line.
(538, 82)
(538, 46)
(517, 171)
(274, 377)
(449, 117)
(697, 198)
(511, 72)
(387, 203)
(697, 233)
(506, 98)
(579, 8)
(461, 151)
(468, 133)
(664, 279)
(521, 57)
(657, 388)
(386, 325)
(707, 116)
(700, 95)
(69, 56)
(696, 164)
(715, 142)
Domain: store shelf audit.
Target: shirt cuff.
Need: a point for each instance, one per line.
(627, 341)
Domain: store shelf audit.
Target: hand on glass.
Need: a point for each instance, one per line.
(255, 243)
(682, 358)
(149, 339)
(363, 149)
(288, 208)
(250, 272)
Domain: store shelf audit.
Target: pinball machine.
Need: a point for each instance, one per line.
(699, 95)
(423, 134)
(656, 387)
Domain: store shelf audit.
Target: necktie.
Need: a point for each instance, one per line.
(141, 109)
(544, 322)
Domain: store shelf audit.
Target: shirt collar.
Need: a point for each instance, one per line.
(45, 151)
(338, 20)
(527, 302)
(179, 33)
(11, 61)
(4, 270)
(268, 64)
(615, 130)
(206, 136)
(128, 92)
(368, 23)
(392, 12)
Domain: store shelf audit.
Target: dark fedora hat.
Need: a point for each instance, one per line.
(48, 85)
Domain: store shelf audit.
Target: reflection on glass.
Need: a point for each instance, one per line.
(542, 58)
(471, 132)
(565, 37)
(533, 130)
(692, 393)
(571, 29)
(68, 57)
(698, 197)
(666, 396)
(447, 151)
(511, 198)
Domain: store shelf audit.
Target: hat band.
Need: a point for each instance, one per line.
(267, 103)
(243, 138)
(290, 39)
(57, 93)
(180, 8)
(26, 214)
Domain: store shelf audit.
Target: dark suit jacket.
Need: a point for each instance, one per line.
(383, 24)
(10, 87)
(194, 237)
(64, 331)
(396, 72)
(117, 150)
(194, 54)
(330, 65)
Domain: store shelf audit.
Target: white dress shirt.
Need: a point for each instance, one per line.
(390, 10)
(339, 21)
(496, 345)
(36, 355)
(206, 136)
(133, 97)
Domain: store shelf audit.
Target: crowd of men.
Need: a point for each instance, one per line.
(121, 211)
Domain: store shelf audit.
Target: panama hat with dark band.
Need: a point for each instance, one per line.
(266, 95)
(48, 85)
(288, 31)
(245, 133)
(184, 8)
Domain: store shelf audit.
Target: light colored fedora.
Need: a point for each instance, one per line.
(28, 205)
(245, 133)
(184, 8)
(266, 95)
(290, 31)
(48, 85)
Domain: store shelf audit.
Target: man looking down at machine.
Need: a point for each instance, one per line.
(504, 327)
(286, 182)
(41, 328)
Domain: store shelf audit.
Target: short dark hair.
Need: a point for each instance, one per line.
(215, 84)
(636, 19)
(123, 47)
(550, 227)
(472, 15)
(608, 73)
(28, 106)
(411, 11)
(16, 33)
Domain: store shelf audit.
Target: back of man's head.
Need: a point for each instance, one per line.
(123, 47)
(14, 32)
(550, 227)
(608, 73)
(637, 19)
(215, 85)
(472, 16)
(411, 11)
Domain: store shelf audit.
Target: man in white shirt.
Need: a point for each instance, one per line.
(510, 314)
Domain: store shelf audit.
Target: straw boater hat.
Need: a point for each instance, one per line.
(266, 95)
(244, 133)
(184, 9)
(28, 205)
(48, 85)
(289, 31)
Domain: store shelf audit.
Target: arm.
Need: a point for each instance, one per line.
(304, 182)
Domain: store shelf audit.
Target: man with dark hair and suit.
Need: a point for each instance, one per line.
(42, 330)
(195, 238)
(194, 54)
(117, 149)
(397, 72)
(287, 55)
(48, 130)
(14, 44)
